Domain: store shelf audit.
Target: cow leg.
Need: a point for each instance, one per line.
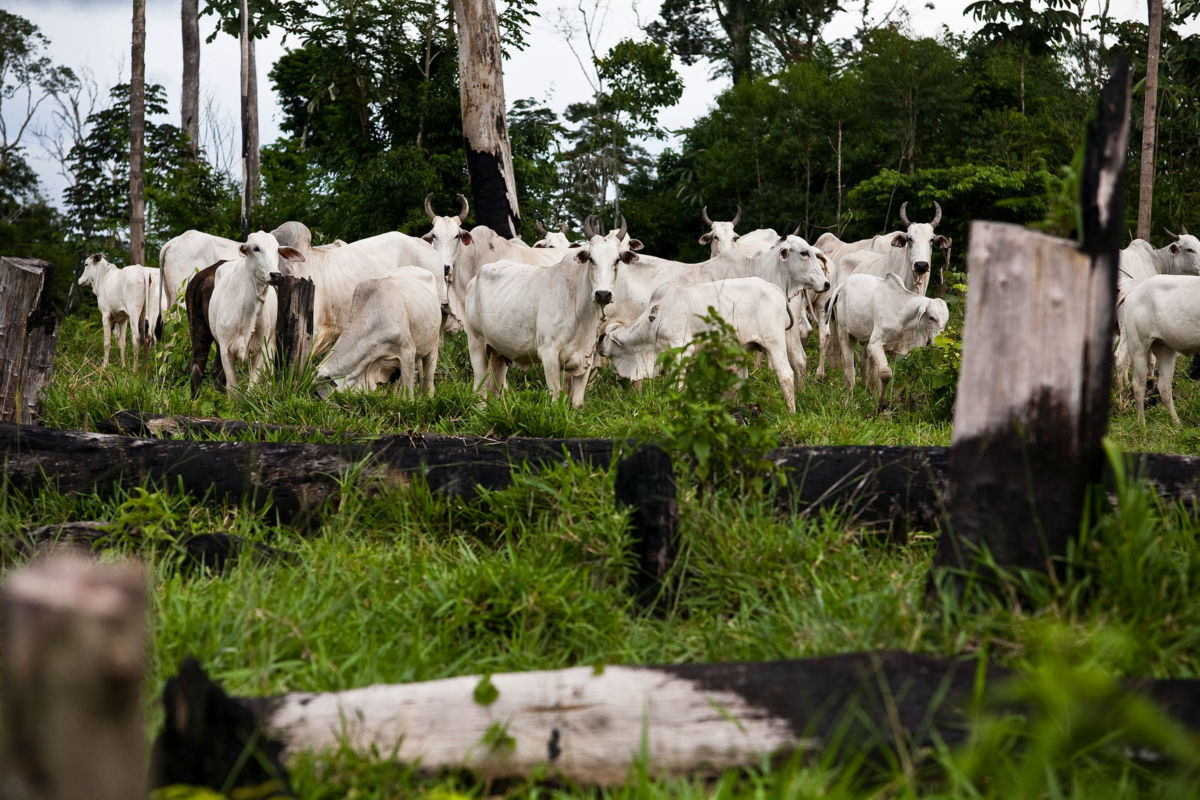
(120, 326)
(797, 361)
(227, 365)
(428, 369)
(1166, 375)
(880, 373)
(778, 356)
(498, 372)
(846, 346)
(1139, 361)
(408, 371)
(477, 349)
(553, 370)
(577, 386)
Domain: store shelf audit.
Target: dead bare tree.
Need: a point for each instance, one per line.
(137, 137)
(250, 158)
(190, 102)
(1149, 122)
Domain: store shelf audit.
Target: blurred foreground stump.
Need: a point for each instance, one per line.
(74, 652)
(1033, 393)
(28, 336)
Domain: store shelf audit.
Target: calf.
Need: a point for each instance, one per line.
(757, 310)
(124, 295)
(1160, 315)
(394, 323)
(887, 318)
(242, 307)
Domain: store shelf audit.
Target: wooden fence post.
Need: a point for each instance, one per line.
(294, 329)
(74, 656)
(28, 336)
(646, 481)
(1033, 392)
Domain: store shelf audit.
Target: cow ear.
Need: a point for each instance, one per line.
(628, 256)
(464, 237)
(899, 240)
(428, 237)
(583, 256)
(540, 244)
(706, 238)
(820, 255)
(290, 253)
(942, 243)
(636, 244)
(243, 249)
(573, 245)
(783, 254)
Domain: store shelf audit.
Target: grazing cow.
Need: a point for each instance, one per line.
(518, 312)
(552, 238)
(335, 272)
(243, 306)
(887, 318)
(124, 295)
(191, 251)
(907, 254)
(395, 322)
(757, 310)
(1139, 261)
(1160, 316)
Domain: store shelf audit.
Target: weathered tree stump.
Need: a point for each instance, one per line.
(74, 653)
(28, 336)
(294, 328)
(646, 482)
(1033, 392)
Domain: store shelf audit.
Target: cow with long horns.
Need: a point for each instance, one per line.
(521, 313)
(556, 238)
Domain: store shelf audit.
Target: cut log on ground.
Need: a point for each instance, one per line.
(74, 652)
(880, 490)
(591, 725)
(28, 336)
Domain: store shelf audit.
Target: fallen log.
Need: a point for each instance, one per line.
(884, 490)
(591, 725)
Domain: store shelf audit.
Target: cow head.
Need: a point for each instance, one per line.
(721, 235)
(802, 265)
(928, 319)
(1185, 252)
(264, 256)
(94, 266)
(552, 238)
(447, 235)
(604, 254)
(919, 239)
(632, 348)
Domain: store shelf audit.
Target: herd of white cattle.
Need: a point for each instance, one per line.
(382, 304)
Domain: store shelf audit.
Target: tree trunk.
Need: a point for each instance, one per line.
(250, 158)
(1149, 122)
(28, 336)
(485, 125)
(190, 104)
(137, 137)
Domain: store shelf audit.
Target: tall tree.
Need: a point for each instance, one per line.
(250, 155)
(485, 126)
(137, 137)
(190, 103)
(1149, 121)
(1034, 30)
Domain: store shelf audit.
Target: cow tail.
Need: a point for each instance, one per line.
(143, 325)
(791, 319)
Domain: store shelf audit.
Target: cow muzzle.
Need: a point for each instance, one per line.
(825, 289)
(921, 267)
(446, 270)
(603, 297)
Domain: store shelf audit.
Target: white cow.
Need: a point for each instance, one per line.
(887, 318)
(757, 310)
(907, 254)
(721, 235)
(185, 255)
(1160, 316)
(243, 307)
(125, 295)
(335, 273)
(395, 322)
(552, 238)
(518, 312)
(1139, 261)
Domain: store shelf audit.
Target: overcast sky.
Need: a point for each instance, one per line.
(95, 35)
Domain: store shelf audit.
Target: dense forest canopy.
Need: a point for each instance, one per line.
(820, 133)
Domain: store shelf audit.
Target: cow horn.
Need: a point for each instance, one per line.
(428, 207)
(937, 214)
(798, 227)
(704, 216)
(1183, 230)
(540, 227)
(624, 227)
(463, 214)
(904, 213)
(737, 217)
(1174, 236)
(588, 230)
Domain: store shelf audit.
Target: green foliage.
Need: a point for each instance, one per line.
(706, 388)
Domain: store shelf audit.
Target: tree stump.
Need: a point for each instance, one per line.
(28, 336)
(646, 481)
(74, 653)
(294, 328)
(1033, 393)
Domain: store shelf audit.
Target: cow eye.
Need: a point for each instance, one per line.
(804, 254)
(652, 318)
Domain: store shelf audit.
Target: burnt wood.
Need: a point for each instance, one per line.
(28, 336)
(645, 481)
(294, 322)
